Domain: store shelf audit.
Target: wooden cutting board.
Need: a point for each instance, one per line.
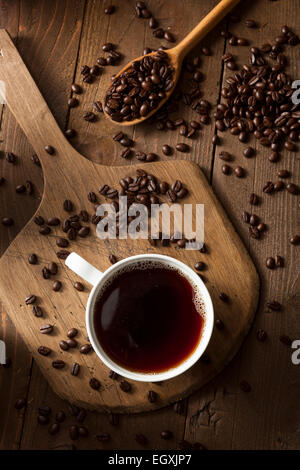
(68, 175)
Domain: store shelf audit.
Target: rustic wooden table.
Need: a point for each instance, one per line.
(55, 38)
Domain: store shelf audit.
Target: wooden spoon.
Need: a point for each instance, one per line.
(177, 53)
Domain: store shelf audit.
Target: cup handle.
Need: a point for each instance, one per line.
(84, 269)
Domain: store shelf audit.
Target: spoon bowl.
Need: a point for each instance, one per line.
(177, 54)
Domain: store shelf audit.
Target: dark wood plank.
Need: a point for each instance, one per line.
(13, 380)
(222, 416)
(47, 35)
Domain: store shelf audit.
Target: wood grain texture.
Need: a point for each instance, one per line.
(265, 418)
(220, 415)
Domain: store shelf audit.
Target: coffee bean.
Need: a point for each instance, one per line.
(52, 267)
(80, 418)
(54, 429)
(295, 240)
(181, 147)
(72, 343)
(250, 23)
(290, 146)
(166, 435)
(31, 299)
(46, 273)
(85, 348)
(113, 375)
(62, 242)
(286, 340)
(83, 431)
(239, 171)
(60, 416)
(125, 386)
(62, 254)
(152, 396)
(44, 350)
(73, 102)
(58, 364)
(225, 156)
(32, 259)
(29, 187)
(68, 205)
(11, 157)
(261, 227)
(110, 10)
(292, 188)
(39, 220)
(37, 311)
(72, 332)
(20, 403)
(261, 335)
(78, 286)
(94, 383)
(20, 188)
(45, 230)
(215, 140)
(254, 220)
(63, 345)
(279, 261)
(223, 297)
(74, 432)
(43, 420)
(112, 258)
(167, 150)
(49, 149)
(274, 157)
(76, 88)
(219, 324)
(268, 187)
(53, 221)
(179, 407)
(83, 232)
(75, 369)
(46, 329)
(7, 221)
(200, 266)
(283, 173)
(245, 386)
(35, 159)
(248, 152)
(168, 36)
(274, 305)
(226, 169)
(270, 263)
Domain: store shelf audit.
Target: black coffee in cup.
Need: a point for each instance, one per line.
(149, 318)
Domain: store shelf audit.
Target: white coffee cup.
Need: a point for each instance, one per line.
(98, 279)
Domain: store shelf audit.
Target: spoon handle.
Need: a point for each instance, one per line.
(202, 28)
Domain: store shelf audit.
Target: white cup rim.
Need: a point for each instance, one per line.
(184, 365)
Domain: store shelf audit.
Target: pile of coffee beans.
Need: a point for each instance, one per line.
(258, 99)
(140, 88)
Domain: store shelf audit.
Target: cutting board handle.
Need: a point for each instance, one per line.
(28, 106)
